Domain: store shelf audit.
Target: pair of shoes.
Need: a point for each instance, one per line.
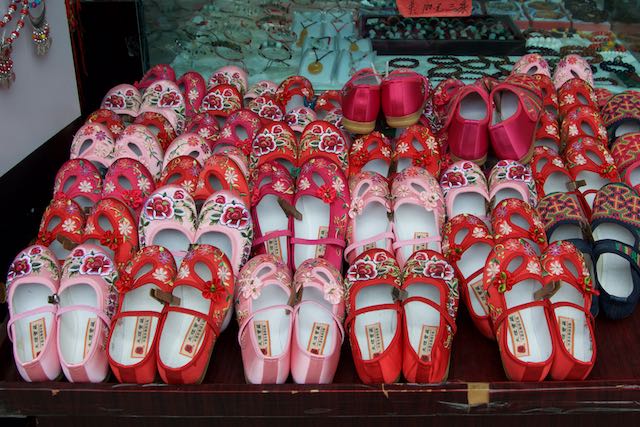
(415, 146)
(59, 317)
(401, 95)
(401, 216)
(169, 319)
(540, 310)
(625, 151)
(290, 325)
(505, 115)
(108, 224)
(466, 190)
(401, 320)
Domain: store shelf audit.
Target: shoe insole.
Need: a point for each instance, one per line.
(627, 126)
(295, 102)
(30, 332)
(313, 226)
(415, 222)
(272, 218)
(593, 182)
(556, 183)
(505, 193)
(506, 105)
(220, 241)
(376, 329)
(473, 107)
(379, 166)
(74, 327)
(472, 260)
(271, 328)
(372, 222)
(316, 321)
(469, 203)
(634, 176)
(132, 336)
(546, 142)
(528, 334)
(422, 320)
(566, 232)
(174, 240)
(574, 329)
(182, 334)
(614, 271)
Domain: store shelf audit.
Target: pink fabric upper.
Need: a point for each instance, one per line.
(571, 66)
(139, 143)
(230, 74)
(95, 143)
(463, 177)
(532, 63)
(260, 88)
(187, 144)
(299, 117)
(514, 175)
(165, 97)
(123, 99)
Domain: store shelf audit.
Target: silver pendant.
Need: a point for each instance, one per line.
(7, 75)
(42, 38)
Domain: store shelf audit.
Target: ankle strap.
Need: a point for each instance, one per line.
(82, 307)
(326, 241)
(271, 235)
(333, 316)
(364, 242)
(14, 318)
(391, 306)
(400, 243)
(246, 321)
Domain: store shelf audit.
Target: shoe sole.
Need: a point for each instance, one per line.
(360, 128)
(404, 121)
(481, 161)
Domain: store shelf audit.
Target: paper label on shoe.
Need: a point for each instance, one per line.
(371, 245)
(375, 341)
(427, 339)
(90, 334)
(318, 338)
(420, 235)
(323, 233)
(518, 335)
(481, 294)
(567, 332)
(141, 333)
(37, 335)
(263, 336)
(274, 248)
(193, 337)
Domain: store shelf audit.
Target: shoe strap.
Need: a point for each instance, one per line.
(360, 243)
(391, 306)
(271, 235)
(572, 305)
(135, 313)
(81, 307)
(15, 317)
(401, 243)
(510, 311)
(196, 314)
(450, 320)
(335, 318)
(326, 241)
(246, 321)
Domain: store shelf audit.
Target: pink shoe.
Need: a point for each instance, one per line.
(263, 87)
(124, 100)
(225, 222)
(169, 219)
(80, 181)
(130, 182)
(95, 143)
(517, 106)
(403, 95)
(193, 89)
(322, 199)
(139, 143)
(418, 213)
(187, 144)
(230, 75)
(369, 225)
(272, 226)
(88, 300)
(361, 102)
(510, 179)
(572, 66)
(299, 118)
(531, 63)
(465, 190)
(165, 97)
(263, 307)
(33, 277)
(317, 323)
(467, 123)
(155, 73)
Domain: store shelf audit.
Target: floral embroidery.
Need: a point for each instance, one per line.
(362, 269)
(159, 207)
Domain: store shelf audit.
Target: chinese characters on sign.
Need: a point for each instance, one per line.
(442, 8)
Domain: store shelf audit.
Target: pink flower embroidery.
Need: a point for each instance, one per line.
(96, 264)
(234, 216)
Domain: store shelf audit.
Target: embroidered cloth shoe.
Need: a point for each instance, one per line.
(239, 130)
(582, 122)
(370, 152)
(133, 339)
(263, 307)
(124, 100)
(187, 144)
(94, 143)
(130, 182)
(429, 322)
(79, 180)
(572, 66)
(515, 219)
(374, 320)
(576, 93)
(321, 139)
(360, 102)
(465, 190)
(182, 171)
(317, 323)
(33, 277)
(87, 301)
(159, 126)
(193, 89)
(626, 155)
(62, 226)
(511, 179)
(139, 143)
(531, 64)
(621, 114)
(549, 172)
(417, 146)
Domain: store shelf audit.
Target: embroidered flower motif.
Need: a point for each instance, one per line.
(231, 176)
(357, 205)
(337, 184)
(504, 228)
(234, 216)
(518, 172)
(492, 270)
(478, 233)
(429, 200)
(304, 184)
(362, 269)
(143, 184)
(250, 287)
(438, 270)
(124, 282)
(579, 160)
(109, 187)
(133, 198)
(453, 179)
(183, 272)
(331, 142)
(85, 186)
(69, 225)
(161, 274)
(188, 186)
(551, 130)
(114, 101)
(557, 162)
(573, 130)
(327, 193)
(96, 264)
(402, 148)
(169, 99)
(159, 207)
(555, 268)
(110, 240)
(264, 143)
(20, 267)
(533, 266)
(568, 99)
(333, 292)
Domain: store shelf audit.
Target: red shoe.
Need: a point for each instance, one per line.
(429, 317)
(361, 102)
(583, 122)
(576, 93)
(517, 106)
(403, 96)
(570, 311)
(515, 219)
(521, 323)
(467, 123)
(375, 316)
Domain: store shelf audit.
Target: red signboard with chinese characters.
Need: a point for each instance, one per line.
(415, 8)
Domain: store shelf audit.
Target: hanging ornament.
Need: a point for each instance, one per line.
(7, 74)
(41, 33)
